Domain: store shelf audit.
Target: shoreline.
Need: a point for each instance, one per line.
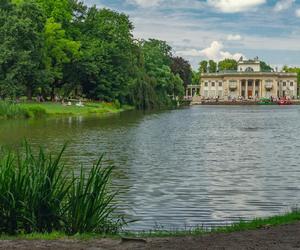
(241, 103)
(263, 234)
(36, 110)
(252, 225)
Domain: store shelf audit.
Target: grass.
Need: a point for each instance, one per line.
(37, 110)
(255, 224)
(38, 196)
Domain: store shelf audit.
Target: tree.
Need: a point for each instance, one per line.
(227, 64)
(21, 46)
(107, 61)
(59, 51)
(212, 66)
(203, 67)
(265, 67)
(196, 78)
(293, 70)
(183, 69)
(157, 58)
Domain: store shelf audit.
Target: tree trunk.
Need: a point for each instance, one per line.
(29, 93)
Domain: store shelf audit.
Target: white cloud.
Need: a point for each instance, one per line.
(298, 12)
(233, 6)
(145, 3)
(232, 37)
(213, 52)
(283, 5)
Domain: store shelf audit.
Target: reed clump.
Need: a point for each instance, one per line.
(37, 195)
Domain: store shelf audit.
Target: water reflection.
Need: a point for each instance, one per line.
(202, 165)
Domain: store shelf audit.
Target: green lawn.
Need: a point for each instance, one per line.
(28, 110)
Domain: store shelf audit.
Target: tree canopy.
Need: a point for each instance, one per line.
(64, 48)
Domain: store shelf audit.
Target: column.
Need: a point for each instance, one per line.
(246, 89)
(186, 92)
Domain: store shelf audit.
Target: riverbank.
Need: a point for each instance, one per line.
(278, 232)
(37, 110)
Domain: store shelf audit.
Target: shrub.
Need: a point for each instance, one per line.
(37, 196)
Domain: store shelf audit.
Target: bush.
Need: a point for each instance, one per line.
(37, 196)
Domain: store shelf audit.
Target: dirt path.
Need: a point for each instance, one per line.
(282, 237)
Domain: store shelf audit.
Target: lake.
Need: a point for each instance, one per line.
(203, 165)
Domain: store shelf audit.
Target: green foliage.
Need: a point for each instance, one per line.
(21, 49)
(293, 70)
(37, 196)
(227, 64)
(63, 48)
(196, 78)
(182, 68)
(265, 67)
(212, 66)
(203, 66)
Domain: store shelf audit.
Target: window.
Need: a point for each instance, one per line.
(291, 84)
(284, 84)
(212, 93)
(220, 84)
(206, 84)
(206, 93)
(212, 84)
(249, 69)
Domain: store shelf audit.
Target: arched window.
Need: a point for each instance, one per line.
(249, 69)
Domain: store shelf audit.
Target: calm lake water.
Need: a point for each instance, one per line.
(203, 165)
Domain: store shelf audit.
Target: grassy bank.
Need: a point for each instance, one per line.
(255, 224)
(36, 110)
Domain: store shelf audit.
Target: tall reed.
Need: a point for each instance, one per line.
(36, 195)
(11, 110)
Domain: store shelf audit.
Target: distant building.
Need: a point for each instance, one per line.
(247, 82)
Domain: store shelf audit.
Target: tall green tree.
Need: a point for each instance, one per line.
(212, 66)
(182, 67)
(203, 67)
(265, 67)
(227, 64)
(59, 51)
(293, 70)
(196, 76)
(107, 61)
(21, 46)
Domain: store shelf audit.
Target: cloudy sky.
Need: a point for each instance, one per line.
(217, 29)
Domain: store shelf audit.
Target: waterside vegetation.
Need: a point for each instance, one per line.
(256, 224)
(38, 196)
(9, 110)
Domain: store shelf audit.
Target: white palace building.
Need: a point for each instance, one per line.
(247, 82)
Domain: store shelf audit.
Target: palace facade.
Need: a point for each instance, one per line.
(247, 82)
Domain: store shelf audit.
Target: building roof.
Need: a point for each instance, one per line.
(243, 73)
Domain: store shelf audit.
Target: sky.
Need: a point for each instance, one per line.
(217, 29)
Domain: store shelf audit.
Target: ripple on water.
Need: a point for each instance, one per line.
(201, 165)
